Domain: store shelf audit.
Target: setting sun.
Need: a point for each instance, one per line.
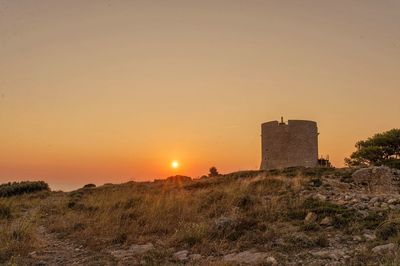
(175, 164)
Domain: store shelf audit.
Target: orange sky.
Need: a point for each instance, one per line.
(110, 91)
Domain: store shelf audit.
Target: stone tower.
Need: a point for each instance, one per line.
(286, 145)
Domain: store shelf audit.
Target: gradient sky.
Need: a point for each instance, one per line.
(111, 91)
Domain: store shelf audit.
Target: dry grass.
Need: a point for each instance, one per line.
(181, 215)
(18, 219)
(210, 216)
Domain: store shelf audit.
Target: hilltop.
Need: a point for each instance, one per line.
(295, 216)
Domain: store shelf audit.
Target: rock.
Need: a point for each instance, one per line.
(347, 197)
(195, 256)
(364, 197)
(326, 221)
(355, 201)
(32, 254)
(392, 201)
(249, 257)
(224, 223)
(141, 249)
(271, 261)
(181, 255)
(357, 238)
(384, 248)
(319, 197)
(362, 206)
(369, 237)
(374, 199)
(311, 217)
(120, 254)
(325, 255)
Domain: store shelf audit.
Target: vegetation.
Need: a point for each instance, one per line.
(380, 149)
(213, 172)
(18, 188)
(211, 216)
(18, 221)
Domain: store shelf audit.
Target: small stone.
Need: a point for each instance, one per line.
(373, 200)
(311, 217)
(249, 257)
(392, 201)
(384, 248)
(271, 261)
(362, 206)
(141, 249)
(364, 197)
(369, 237)
(324, 255)
(357, 238)
(195, 256)
(181, 255)
(347, 197)
(326, 221)
(32, 254)
(319, 197)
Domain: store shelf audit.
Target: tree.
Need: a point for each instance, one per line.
(213, 172)
(380, 149)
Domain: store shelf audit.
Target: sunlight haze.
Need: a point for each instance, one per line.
(111, 91)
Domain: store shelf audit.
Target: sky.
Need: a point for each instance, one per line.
(111, 91)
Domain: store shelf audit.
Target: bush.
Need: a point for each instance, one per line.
(18, 188)
(387, 230)
(89, 186)
(213, 172)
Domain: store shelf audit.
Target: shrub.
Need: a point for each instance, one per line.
(387, 230)
(18, 188)
(374, 219)
(89, 186)
(213, 172)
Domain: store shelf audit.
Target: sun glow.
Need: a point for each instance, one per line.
(175, 164)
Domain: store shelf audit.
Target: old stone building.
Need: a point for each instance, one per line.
(294, 143)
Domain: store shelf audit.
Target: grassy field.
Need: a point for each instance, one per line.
(209, 216)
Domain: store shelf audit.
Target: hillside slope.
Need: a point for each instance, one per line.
(296, 216)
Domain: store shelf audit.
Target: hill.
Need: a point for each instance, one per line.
(296, 216)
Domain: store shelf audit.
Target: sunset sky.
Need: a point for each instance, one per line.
(110, 91)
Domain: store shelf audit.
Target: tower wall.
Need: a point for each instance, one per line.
(287, 145)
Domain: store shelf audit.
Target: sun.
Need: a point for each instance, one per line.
(175, 164)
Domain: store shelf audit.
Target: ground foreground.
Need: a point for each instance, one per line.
(295, 216)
